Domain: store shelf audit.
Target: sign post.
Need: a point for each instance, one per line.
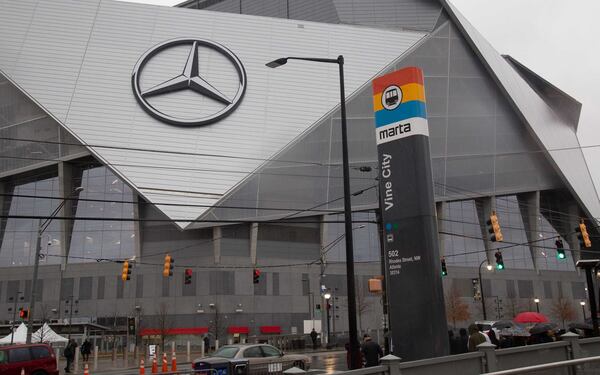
(412, 261)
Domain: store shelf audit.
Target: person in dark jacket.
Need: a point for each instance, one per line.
(371, 351)
(463, 341)
(86, 349)
(69, 354)
(313, 337)
(453, 342)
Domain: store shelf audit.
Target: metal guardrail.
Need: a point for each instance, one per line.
(546, 366)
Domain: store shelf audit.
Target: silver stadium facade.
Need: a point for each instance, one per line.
(186, 144)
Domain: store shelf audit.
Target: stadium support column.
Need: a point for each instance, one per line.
(66, 186)
(137, 227)
(412, 259)
(5, 193)
(253, 241)
(529, 206)
(217, 237)
(484, 207)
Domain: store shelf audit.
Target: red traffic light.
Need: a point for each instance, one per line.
(256, 276)
(188, 276)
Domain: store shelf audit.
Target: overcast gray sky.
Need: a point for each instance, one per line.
(555, 38)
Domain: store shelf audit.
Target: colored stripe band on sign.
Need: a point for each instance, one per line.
(401, 129)
(398, 78)
(410, 92)
(406, 110)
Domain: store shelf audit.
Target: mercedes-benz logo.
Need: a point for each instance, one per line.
(189, 79)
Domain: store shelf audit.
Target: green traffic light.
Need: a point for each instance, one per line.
(444, 273)
(560, 255)
(499, 266)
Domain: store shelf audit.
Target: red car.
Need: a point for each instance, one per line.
(36, 359)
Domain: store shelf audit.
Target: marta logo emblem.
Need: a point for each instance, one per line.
(221, 103)
(391, 97)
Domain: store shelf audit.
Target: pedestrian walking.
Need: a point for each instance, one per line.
(86, 349)
(475, 337)
(206, 344)
(313, 337)
(69, 354)
(454, 342)
(371, 351)
(463, 341)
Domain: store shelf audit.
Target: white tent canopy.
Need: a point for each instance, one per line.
(46, 334)
(20, 336)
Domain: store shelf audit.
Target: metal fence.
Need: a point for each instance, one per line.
(570, 356)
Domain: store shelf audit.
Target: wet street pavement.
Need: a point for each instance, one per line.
(330, 361)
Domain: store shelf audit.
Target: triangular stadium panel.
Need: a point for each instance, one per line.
(551, 131)
(76, 58)
(475, 136)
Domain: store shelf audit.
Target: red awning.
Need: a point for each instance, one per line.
(238, 329)
(270, 329)
(175, 331)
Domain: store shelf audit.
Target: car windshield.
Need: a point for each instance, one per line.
(226, 352)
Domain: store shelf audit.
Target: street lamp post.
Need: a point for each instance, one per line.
(353, 334)
(537, 304)
(489, 268)
(70, 311)
(327, 296)
(582, 303)
(42, 226)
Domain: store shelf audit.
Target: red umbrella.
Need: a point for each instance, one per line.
(530, 317)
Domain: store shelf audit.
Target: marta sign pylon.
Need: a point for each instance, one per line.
(412, 261)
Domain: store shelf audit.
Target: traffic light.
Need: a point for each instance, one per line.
(256, 276)
(168, 268)
(126, 273)
(188, 276)
(494, 228)
(444, 269)
(583, 236)
(24, 314)
(131, 325)
(560, 249)
(499, 261)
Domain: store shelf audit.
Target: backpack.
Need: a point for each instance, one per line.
(68, 351)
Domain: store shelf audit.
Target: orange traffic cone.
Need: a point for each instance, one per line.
(173, 363)
(165, 367)
(85, 370)
(142, 368)
(154, 365)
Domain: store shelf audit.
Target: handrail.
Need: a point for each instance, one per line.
(546, 366)
(531, 348)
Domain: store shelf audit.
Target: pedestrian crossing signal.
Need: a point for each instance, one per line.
(188, 276)
(256, 276)
(24, 314)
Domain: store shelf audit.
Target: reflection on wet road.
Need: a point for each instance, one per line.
(330, 361)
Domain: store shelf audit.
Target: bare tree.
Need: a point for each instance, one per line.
(456, 309)
(217, 324)
(164, 323)
(563, 310)
(362, 304)
(512, 306)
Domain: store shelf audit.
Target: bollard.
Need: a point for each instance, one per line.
(76, 363)
(173, 363)
(154, 365)
(86, 371)
(216, 344)
(173, 347)
(22, 371)
(202, 349)
(490, 356)
(125, 356)
(188, 352)
(165, 367)
(393, 364)
(95, 357)
(142, 368)
(57, 356)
